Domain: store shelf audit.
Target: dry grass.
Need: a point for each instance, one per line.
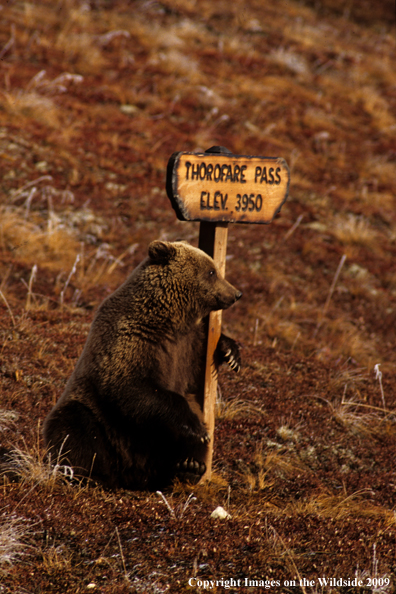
(236, 408)
(93, 101)
(57, 559)
(281, 462)
(347, 377)
(13, 531)
(36, 241)
(291, 60)
(342, 506)
(361, 418)
(58, 244)
(354, 230)
(31, 105)
(377, 107)
(287, 434)
(341, 336)
(7, 418)
(32, 467)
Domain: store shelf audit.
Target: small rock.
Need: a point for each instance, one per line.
(129, 109)
(42, 166)
(220, 514)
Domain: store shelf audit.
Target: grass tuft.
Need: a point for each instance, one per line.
(281, 463)
(34, 241)
(13, 530)
(236, 408)
(350, 414)
(7, 417)
(57, 559)
(33, 467)
(177, 514)
(355, 230)
(339, 507)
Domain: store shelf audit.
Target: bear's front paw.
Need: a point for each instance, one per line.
(228, 351)
(232, 362)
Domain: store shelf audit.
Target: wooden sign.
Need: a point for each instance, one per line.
(226, 187)
(217, 188)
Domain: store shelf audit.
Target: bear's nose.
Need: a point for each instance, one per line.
(238, 295)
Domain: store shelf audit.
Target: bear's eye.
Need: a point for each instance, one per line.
(212, 273)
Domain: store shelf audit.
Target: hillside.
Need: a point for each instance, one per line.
(95, 97)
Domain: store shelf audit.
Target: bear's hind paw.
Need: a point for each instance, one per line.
(191, 466)
(196, 435)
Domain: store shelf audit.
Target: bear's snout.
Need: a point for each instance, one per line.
(227, 295)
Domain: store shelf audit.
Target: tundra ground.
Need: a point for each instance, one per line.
(94, 98)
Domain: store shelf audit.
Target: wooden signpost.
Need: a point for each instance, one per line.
(217, 188)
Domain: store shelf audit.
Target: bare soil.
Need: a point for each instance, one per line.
(94, 98)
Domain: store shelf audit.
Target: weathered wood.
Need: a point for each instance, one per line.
(213, 241)
(226, 187)
(217, 188)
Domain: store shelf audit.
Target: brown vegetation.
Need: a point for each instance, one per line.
(94, 98)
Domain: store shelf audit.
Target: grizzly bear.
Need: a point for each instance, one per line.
(130, 415)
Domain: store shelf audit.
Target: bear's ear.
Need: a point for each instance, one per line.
(161, 251)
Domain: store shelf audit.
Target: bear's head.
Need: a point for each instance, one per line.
(191, 276)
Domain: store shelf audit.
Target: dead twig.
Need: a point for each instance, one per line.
(8, 307)
(378, 376)
(329, 296)
(294, 227)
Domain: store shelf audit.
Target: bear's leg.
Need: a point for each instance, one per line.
(228, 351)
(191, 469)
(75, 438)
(168, 427)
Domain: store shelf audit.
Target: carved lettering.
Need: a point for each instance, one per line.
(220, 173)
(261, 175)
(215, 202)
(227, 188)
(249, 203)
(218, 202)
(195, 171)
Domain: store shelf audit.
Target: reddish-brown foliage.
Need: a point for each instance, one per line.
(94, 98)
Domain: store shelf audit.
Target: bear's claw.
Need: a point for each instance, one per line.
(231, 361)
(228, 351)
(197, 434)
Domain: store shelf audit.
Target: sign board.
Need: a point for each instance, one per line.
(227, 188)
(217, 188)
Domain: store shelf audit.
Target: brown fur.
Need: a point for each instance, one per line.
(129, 415)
